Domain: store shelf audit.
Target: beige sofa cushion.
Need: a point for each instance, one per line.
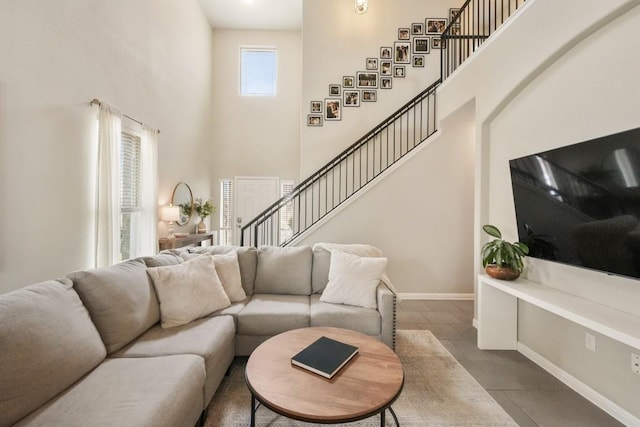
(163, 258)
(365, 320)
(120, 300)
(270, 314)
(188, 291)
(247, 260)
(284, 271)
(47, 342)
(210, 338)
(228, 270)
(153, 391)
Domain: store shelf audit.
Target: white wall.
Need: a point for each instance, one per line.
(420, 215)
(336, 43)
(255, 136)
(152, 60)
(576, 80)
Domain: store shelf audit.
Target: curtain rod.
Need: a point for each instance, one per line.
(96, 101)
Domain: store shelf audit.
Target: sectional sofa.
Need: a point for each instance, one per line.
(120, 346)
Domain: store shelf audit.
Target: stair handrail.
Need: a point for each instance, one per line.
(314, 177)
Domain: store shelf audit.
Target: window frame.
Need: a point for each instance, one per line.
(241, 74)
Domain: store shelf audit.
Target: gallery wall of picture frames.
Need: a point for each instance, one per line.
(410, 50)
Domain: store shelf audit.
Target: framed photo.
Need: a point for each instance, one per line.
(386, 82)
(455, 30)
(435, 25)
(316, 106)
(417, 29)
(421, 44)
(348, 81)
(334, 90)
(399, 71)
(367, 79)
(351, 98)
(332, 108)
(372, 64)
(436, 42)
(385, 52)
(404, 34)
(369, 96)
(314, 120)
(385, 68)
(417, 60)
(452, 13)
(402, 52)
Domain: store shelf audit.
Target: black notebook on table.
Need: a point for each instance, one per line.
(324, 356)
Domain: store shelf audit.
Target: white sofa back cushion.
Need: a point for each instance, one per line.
(353, 280)
(47, 343)
(188, 291)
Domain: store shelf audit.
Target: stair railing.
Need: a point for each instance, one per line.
(469, 28)
(346, 174)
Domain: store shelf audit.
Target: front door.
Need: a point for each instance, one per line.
(253, 195)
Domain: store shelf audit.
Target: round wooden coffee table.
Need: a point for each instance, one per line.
(366, 386)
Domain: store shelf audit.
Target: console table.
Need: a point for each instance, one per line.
(498, 313)
(180, 242)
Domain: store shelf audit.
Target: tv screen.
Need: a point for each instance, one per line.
(580, 204)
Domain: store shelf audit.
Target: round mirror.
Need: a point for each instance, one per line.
(183, 197)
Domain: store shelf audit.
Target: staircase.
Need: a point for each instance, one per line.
(382, 147)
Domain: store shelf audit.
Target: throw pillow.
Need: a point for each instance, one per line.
(188, 291)
(353, 280)
(228, 270)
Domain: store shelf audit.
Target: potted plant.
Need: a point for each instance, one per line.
(501, 259)
(203, 208)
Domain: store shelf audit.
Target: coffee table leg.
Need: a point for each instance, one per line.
(253, 410)
(394, 416)
(382, 417)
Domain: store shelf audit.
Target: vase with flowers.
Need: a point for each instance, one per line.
(203, 208)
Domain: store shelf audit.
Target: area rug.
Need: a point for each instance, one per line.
(437, 391)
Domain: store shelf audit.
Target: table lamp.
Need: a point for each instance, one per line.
(170, 213)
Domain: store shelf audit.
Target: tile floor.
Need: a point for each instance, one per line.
(527, 392)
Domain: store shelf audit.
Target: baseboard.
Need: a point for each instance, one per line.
(581, 388)
(409, 295)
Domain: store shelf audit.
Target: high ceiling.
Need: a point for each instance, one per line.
(253, 14)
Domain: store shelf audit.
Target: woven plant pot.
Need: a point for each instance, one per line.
(501, 273)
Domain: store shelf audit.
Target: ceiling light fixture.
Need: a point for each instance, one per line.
(362, 6)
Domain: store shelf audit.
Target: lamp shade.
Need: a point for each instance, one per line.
(362, 6)
(170, 213)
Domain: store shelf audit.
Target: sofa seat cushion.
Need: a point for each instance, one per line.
(210, 338)
(285, 271)
(268, 314)
(159, 391)
(47, 343)
(365, 320)
(233, 310)
(120, 300)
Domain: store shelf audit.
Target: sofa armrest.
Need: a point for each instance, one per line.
(387, 308)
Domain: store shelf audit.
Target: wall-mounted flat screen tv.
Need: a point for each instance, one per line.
(580, 204)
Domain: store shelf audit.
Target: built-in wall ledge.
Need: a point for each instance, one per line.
(498, 313)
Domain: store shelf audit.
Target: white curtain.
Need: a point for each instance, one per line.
(147, 243)
(107, 251)
(143, 221)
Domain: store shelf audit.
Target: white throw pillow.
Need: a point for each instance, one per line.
(228, 270)
(188, 291)
(353, 280)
